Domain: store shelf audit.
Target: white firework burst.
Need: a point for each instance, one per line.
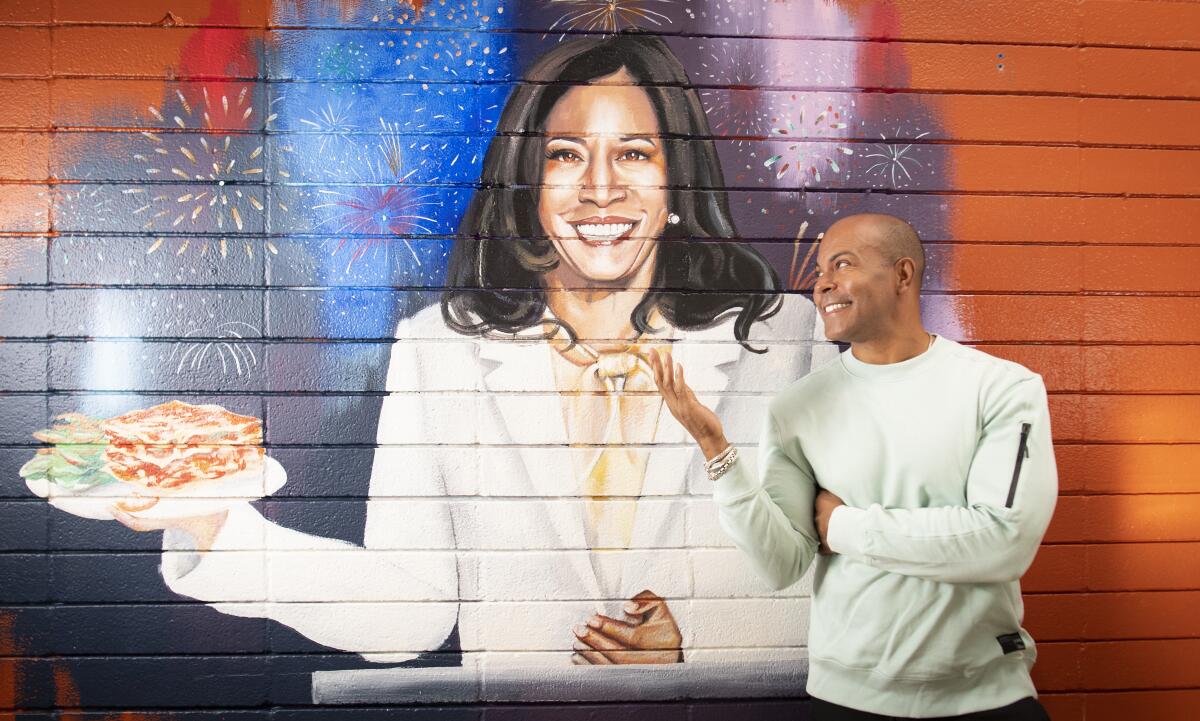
(741, 109)
(222, 170)
(609, 16)
(98, 203)
(86, 201)
(334, 125)
(230, 350)
(893, 158)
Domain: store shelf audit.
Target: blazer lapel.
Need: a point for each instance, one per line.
(520, 379)
(526, 411)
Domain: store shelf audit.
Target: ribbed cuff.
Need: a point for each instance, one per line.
(737, 483)
(846, 531)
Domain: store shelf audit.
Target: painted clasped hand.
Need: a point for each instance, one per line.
(649, 636)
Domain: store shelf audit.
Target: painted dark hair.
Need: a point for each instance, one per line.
(494, 276)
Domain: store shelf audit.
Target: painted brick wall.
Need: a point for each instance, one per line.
(1047, 152)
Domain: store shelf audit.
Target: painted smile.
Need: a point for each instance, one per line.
(604, 231)
(835, 307)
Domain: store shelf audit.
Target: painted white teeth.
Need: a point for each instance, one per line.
(836, 306)
(603, 231)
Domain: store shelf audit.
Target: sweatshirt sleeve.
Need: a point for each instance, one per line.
(769, 513)
(1011, 489)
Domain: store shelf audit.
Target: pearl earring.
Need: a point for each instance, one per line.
(673, 219)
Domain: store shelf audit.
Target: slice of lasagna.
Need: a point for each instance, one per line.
(174, 444)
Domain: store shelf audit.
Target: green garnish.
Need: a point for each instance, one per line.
(76, 460)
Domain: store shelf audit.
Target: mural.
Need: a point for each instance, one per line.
(353, 367)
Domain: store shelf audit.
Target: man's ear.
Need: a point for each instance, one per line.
(906, 271)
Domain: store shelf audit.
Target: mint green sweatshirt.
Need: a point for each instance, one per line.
(946, 467)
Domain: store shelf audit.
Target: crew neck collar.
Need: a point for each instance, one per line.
(892, 371)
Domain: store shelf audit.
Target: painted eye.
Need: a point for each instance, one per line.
(634, 155)
(563, 156)
(841, 263)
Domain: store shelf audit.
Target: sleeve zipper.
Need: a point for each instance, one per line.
(1022, 454)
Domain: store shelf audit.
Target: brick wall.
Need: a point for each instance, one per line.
(1046, 151)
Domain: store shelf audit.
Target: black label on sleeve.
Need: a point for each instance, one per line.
(1010, 642)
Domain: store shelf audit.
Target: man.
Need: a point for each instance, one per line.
(921, 470)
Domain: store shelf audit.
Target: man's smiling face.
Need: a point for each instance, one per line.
(855, 292)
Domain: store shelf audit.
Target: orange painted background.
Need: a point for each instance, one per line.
(1075, 253)
(1072, 135)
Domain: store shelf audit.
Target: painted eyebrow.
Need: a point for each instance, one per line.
(580, 141)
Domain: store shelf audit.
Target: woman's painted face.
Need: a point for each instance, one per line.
(604, 196)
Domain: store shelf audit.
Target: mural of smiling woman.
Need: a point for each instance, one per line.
(599, 219)
(602, 214)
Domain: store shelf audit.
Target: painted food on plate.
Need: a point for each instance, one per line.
(162, 450)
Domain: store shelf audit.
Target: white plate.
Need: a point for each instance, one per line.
(201, 499)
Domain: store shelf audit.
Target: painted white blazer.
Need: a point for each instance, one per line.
(474, 516)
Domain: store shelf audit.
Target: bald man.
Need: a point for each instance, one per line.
(919, 475)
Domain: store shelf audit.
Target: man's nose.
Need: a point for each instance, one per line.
(599, 186)
(822, 285)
